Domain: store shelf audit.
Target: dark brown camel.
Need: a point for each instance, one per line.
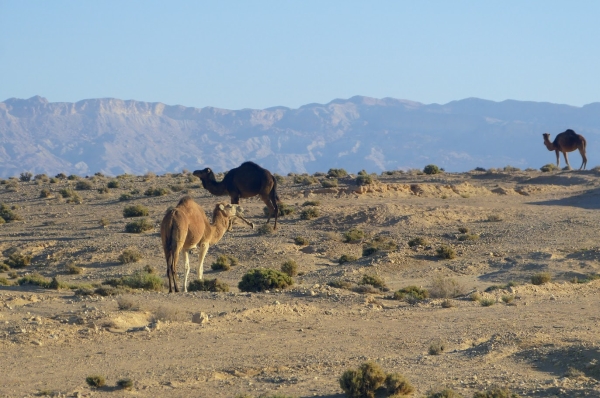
(245, 181)
(564, 142)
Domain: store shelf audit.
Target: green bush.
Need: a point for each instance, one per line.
(309, 213)
(73, 177)
(445, 393)
(364, 179)
(95, 381)
(260, 279)
(129, 256)
(83, 185)
(138, 280)
(541, 278)
(18, 260)
(113, 184)
(139, 226)
(346, 258)
(337, 173)
(496, 393)
(224, 263)
(125, 384)
(26, 176)
(418, 241)
(437, 347)
(340, 284)
(290, 267)
(431, 169)
(208, 285)
(411, 293)
(265, 229)
(549, 167)
(364, 381)
(8, 214)
(369, 250)
(135, 211)
(329, 183)
(353, 235)
(45, 193)
(446, 252)
(374, 281)
(5, 282)
(125, 196)
(301, 241)
(156, 192)
(34, 279)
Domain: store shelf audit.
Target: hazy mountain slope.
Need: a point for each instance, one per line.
(115, 136)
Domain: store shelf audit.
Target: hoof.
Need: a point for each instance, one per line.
(252, 225)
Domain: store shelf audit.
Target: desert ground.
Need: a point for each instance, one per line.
(536, 340)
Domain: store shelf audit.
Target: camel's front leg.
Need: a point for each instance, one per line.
(557, 159)
(187, 270)
(567, 160)
(203, 250)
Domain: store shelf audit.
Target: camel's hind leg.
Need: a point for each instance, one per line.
(172, 259)
(187, 270)
(273, 208)
(583, 159)
(567, 160)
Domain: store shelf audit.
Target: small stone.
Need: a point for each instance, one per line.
(200, 318)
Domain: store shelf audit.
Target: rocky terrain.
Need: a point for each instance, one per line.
(536, 340)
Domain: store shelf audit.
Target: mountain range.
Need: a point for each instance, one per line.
(114, 136)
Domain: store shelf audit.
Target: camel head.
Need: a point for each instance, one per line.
(204, 173)
(547, 142)
(227, 210)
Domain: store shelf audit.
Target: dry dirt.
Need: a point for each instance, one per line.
(297, 342)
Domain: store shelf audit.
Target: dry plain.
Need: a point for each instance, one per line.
(298, 341)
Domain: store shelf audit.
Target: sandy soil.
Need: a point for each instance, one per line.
(297, 342)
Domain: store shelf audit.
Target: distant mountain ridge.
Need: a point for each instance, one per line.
(115, 136)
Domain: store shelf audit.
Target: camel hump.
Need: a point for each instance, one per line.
(184, 200)
(570, 132)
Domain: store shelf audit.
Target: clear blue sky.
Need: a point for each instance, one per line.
(258, 54)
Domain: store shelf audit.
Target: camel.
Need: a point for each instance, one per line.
(185, 227)
(245, 181)
(564, 142)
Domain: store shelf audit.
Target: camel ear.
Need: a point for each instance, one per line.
(208, 170)
(221, 207)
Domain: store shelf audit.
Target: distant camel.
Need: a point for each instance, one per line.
(564, 142)
(245, 181)
(186, 226)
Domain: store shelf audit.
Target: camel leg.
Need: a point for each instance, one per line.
(273, 209)
(203, 250)
(567, 160)
(557, 159)
(187, 271)
(251, 224)
(583, 158)
(175, 258)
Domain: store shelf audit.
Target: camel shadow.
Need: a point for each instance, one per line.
(572, 361)
(587, 200)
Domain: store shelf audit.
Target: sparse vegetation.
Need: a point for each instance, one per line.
(549, 168)
(374, 281)
(283, 208)
(25, 176)
(397, 385)
(208, 285)
(45, 193)
(446, 252)
(18, 260)
(431, 169)
(418, 241)
(337, 173)
(290, 267)
(96, 381)
(496, 393)
(265, 229)
(261, 279)
(125, 384)
(311, 203)
(83, 185)
(135, 211)
(73, 269)
(494, 218)
(7, 213)
(329, 183)
(437, 347)
(113, 184)
(541, 278)
(224, 263)
(139, 226)
(445, 393)
(411, 294)
(309, 213)
(354, 235)
(364, 381)
(444, 287)
(138, 280)
(157, 191)
(301, 241)
(508, 298)
(364, 179)
(487, 301)
(129, 256)
(346, 258)
(468, 237)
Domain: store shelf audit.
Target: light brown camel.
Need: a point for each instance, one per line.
(185, 227)
(564, 142)
(245, 181)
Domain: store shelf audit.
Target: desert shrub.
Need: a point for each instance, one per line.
(305, 180)
(290, 267)
(95, 381)
(113, 184)
(353, 235)
(346, 258)
(106, 291)
(45, 193)
(586, 279)
(540, 278)
(369, 250)
(487, 302)
(4, 267)
(364, 381)
(494, 218)
(73, 177)
(135, 211)
(280, 179)
(156, 191)
(311, 203)
(340, 284)
(12, 186)
(73, 269)
(83, 185)
(8, 214)
(431, 169)
(436, 347)
(5, 282)
(18, 260)
(511, 169)
(374, 281)
(129, 256)
(549, 167)
(75, 198)
(465, 237)
(139, 226)
(66, 193)
(411, 294)
(475, 296)
(447, 303)
(139, 280)
(378, 243)
(301, 241)
(364, 179)
(442, 287)
(337, 173)
(125, 196)
(127, 303)
(41, 177)
(446, 252)
(260, 279)
(61, 176)
(103, 190)
(463, 230)
(265, 229)
(309, 213)
(12, 274)
(149, 176)
(125, 384)
(418, 241)
(34, 279)
(496, 393)
(329, 183)
(283, 210)
(507, 298)
(177, 187)
(25, 176)
(208, 285)
(445, 393)
(224, 263)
